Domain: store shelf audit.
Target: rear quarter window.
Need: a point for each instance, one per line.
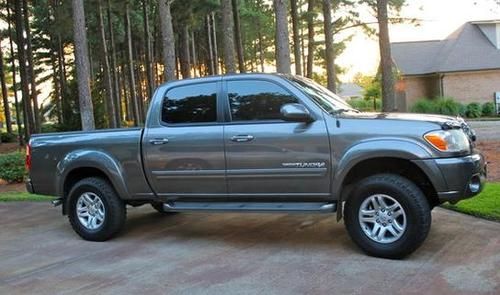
(196, 103)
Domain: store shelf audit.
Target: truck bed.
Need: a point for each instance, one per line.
(49, 151)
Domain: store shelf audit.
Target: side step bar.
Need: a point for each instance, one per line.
(318, 207)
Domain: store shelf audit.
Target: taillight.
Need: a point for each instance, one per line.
(28, 157)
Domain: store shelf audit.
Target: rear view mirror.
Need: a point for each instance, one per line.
(296, 113)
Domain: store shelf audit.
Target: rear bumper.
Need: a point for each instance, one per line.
(459, 178)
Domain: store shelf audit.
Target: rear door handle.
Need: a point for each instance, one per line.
(157, 141)
(242, 138)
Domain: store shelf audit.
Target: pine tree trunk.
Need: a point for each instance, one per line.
(14, 83)
(210, 47)
(31, 72)
(388, 96)
(228, 36)
(61, 64)
(193, 54)
(168, 40)
(282, 43)
(114, 68)
(214, 40)
(5, 95)
(296, 37)
(82, 66)
(147, 49)
(185, 58)
(27, 110)
(329, 46)
(110, 100)
(238, 37)
(310, 38)
(130, 57)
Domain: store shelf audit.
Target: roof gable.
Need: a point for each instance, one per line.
(466, 49)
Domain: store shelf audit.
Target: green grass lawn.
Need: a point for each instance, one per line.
(23, 197)
(485, 205)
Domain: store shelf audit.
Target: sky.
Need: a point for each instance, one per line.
(439, 18)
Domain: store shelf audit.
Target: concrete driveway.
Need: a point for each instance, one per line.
(237, 254)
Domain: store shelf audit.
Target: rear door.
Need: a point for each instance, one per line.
(266, 156)
(183, 148)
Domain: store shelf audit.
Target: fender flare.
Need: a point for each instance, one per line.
(404, 149)
(91, 159)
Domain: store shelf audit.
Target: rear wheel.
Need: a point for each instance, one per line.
(96, 213)
(387, 216)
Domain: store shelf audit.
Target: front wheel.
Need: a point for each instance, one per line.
(387, 216)
(96, 213)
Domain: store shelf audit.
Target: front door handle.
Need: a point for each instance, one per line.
(157, 141)
(242, 138)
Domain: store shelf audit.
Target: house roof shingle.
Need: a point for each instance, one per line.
(466, 49)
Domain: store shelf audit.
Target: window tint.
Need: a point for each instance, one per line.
(195, 103)
(257, 100)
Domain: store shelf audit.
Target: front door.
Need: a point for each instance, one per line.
(184, 152)
(266, 156)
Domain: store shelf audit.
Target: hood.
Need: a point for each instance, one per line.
(446, 122)
(439, 119)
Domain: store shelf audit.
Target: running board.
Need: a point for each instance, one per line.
(318, 207)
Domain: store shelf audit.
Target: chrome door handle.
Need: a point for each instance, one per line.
(242, 138)
(157, 141)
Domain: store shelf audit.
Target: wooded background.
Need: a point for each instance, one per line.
(102, 59)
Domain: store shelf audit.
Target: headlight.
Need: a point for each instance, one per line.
(453, 140)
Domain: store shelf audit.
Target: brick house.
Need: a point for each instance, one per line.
(465, 65)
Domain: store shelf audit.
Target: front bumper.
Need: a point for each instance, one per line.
(459, 177)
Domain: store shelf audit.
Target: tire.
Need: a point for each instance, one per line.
(404, 229)
(104, 204)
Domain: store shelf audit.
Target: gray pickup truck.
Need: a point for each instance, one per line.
(263, 143)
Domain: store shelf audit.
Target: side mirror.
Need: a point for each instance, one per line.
(296, 113)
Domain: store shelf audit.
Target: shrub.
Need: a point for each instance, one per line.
(441, 105)
(425, 106)
(488, 109)
(13, 169)
(8, 137)
(473, 110)
(447, 106)
(365, 105)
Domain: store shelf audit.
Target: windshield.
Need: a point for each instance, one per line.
(326, 99)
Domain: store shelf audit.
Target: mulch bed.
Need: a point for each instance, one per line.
(491, 150)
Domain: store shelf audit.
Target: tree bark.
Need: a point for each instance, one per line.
(114, 68)
(296, 37)
(388, 96)
(21, 52)
(5, 95)
(130, 56)
(61, 64)
(193, 54)
(228, 36)
(14, 84)
(238, 37)
(310, 38)
(82, 66)
(214, 39)
(147, 49)
(329, 45)
(282, 43)
(210, 47)
(107, 74)
(32, 78)
(184, 56)
(168, 40)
